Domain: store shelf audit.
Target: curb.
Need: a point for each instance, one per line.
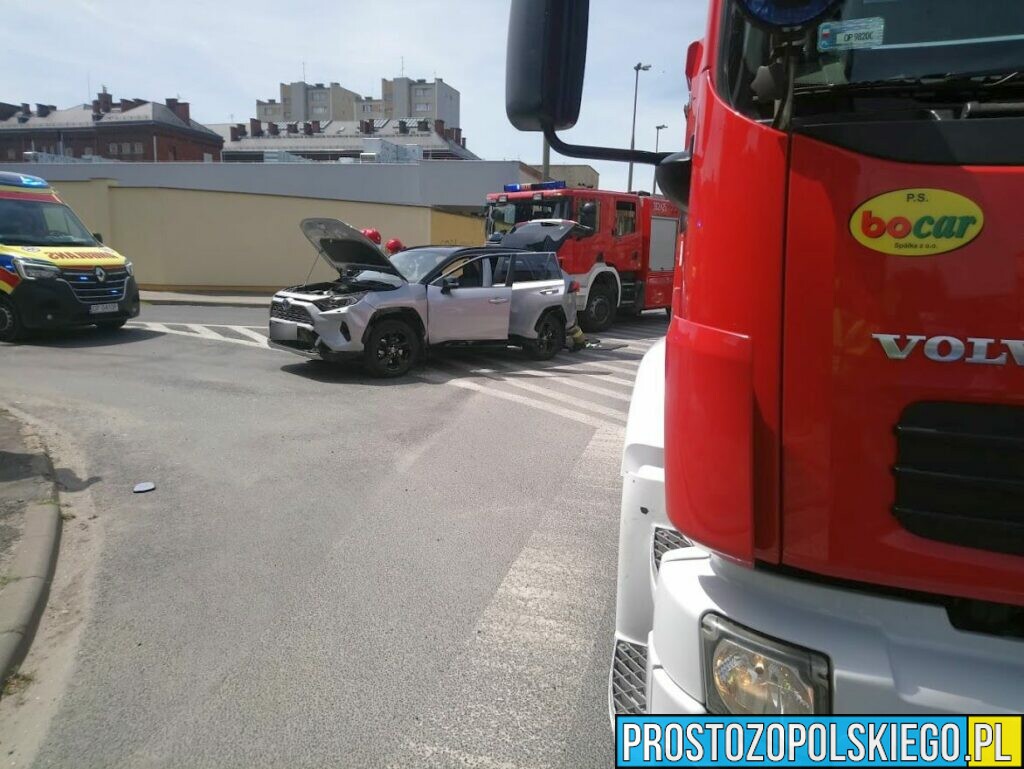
(213, 303)
(23, 599)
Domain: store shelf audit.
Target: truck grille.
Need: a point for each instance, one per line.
(89, 289)
(960, 474)
(629, 676)
(295, 313)
(665, 540)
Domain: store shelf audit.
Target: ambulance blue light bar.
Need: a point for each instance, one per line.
(8, 179)
(535, 187)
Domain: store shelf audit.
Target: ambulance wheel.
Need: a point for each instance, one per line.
(600, 312)
(392, 348)
(11, 329)
(111, 325)
(550, 338)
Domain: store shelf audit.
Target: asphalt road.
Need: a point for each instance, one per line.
(332, 570)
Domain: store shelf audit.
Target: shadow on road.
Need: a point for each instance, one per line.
(87, 337)
(344, 373)
(68, 480)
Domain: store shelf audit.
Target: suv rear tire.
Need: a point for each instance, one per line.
(392, 348)
(600, 311)
(11, 329)
(550, 338)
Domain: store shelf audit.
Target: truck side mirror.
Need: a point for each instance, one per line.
(547, 53)
(673, 174)
(98, 236)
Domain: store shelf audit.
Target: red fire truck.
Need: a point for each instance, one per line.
(626, 261)
(823, 503)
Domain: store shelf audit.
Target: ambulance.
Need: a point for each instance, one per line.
(54, 273)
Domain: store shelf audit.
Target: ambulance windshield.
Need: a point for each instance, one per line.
(37, 223)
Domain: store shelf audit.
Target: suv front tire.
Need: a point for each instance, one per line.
(392, 348)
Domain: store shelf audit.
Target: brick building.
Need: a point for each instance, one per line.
(127, 130)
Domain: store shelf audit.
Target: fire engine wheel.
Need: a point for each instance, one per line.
(550, 338)
(600, 310)
(11, 329)
(391, 348)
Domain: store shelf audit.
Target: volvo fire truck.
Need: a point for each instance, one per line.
(823, 501)
(624, 261)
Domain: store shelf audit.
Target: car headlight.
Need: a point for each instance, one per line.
(748, 674)
(129, 268)
(337, 302)
(33, 270)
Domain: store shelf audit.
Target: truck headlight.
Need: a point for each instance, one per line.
(129, 268)
(748, 674)
(33, 270)
(337, 302)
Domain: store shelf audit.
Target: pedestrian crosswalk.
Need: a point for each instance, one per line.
(592, 387)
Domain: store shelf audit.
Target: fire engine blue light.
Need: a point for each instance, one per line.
(21, 180)
(535, 187)
(786, 13)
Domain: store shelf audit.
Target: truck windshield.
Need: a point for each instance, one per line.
(921, 49)
(502, 217)
(35, 223)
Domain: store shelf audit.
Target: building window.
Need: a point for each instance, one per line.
(319, 96)
(319, 110)
(422, 106)
(126, 148)
(87, 152)
(367, 108)
(422, 92)
(113, 148)
(11, 154)
(138, 148)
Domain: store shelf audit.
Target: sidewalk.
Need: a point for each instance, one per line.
(29, 538)
(212, 299)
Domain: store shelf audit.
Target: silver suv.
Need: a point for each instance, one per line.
(388, 311)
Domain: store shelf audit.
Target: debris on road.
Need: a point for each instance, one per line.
(142, 488)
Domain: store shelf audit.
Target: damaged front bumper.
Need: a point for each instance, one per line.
(299, 327)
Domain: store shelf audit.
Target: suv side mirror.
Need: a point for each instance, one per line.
(547, 54)
(447, 284)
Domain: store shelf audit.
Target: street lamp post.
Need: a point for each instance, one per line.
(632, 141)
(657, 138)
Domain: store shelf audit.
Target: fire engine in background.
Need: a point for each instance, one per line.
(624, 265)
(836, 419)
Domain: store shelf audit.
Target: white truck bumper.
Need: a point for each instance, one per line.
(886, 655)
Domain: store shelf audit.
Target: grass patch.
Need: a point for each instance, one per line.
(17, 682)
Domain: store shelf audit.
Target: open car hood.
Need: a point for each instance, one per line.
(543, 234)
(345, 248)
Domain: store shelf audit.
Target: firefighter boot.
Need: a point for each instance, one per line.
(577, 339)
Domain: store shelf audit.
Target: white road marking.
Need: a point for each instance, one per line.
(568, 376)
(246, 331)
(493, 392)
(579, 403)
(206, 333)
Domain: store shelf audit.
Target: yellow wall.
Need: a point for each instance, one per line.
(455, 230)
(191, 239)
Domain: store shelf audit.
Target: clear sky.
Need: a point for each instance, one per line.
(222, 56)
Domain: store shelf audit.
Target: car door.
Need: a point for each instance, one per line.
(464, 305)
(537, 285)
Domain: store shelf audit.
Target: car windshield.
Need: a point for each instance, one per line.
(416, 263)
(36, 223)
(865, 46)
(502, 217)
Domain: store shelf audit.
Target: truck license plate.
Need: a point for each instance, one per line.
(99, 309)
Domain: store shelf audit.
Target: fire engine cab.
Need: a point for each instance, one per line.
(624, 262)
(823, 472)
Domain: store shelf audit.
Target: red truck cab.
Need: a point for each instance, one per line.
(823, 508)
(624, 265)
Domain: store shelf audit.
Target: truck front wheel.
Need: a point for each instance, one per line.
(11, 329)
(392, 348)
(600, 311)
